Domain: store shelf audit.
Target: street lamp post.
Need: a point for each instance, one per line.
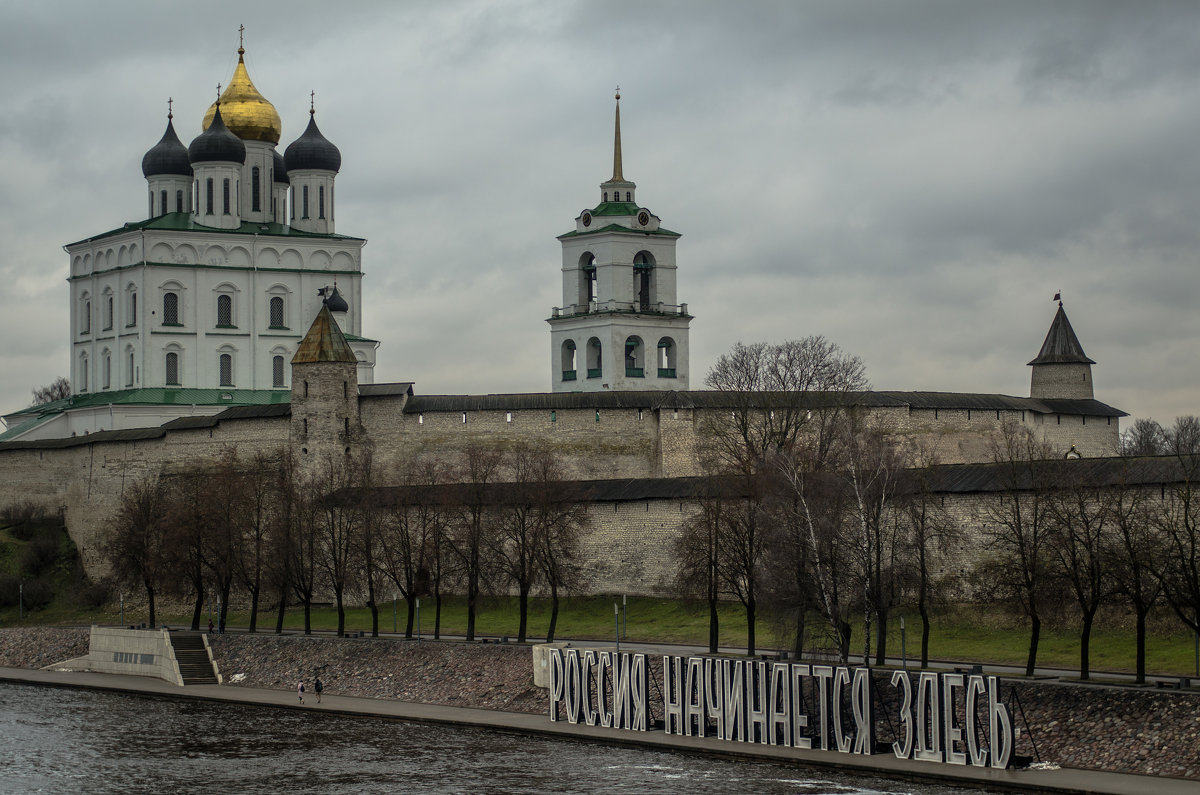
(394, 625)
(903, 647)
(122, 608)
(624, 616)
(617, 625)
(418, 621)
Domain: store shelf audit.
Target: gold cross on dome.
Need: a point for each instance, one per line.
(241, 31)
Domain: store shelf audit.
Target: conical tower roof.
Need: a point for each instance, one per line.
(247, 113)
(1061, 345)
(324, 342)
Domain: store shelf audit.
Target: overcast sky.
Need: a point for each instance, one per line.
(913, 180)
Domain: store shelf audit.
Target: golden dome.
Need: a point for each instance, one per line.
(246, 112)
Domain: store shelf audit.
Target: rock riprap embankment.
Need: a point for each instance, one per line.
(486, 676)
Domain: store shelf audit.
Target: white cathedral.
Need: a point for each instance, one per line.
(202, 305)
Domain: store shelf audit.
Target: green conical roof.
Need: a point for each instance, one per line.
(324, 342)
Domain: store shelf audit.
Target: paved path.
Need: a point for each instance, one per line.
(1049, 781)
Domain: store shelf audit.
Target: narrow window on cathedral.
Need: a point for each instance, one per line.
(178, 201)
(129, 370)
(150, 204)
(170, 309)
(132, 309)
(172, 368)
(226, 366)
(277, 372)
(255, 190)
(86, 321)
(628, 196)
(225, 310)
(321, 201)
(163, 202)
(107, 371)
(83, 374)
(605, 195)
(274, 213)
(304, 209)
(208, 189)
(277, 312)
(108, 313)
(225, 196)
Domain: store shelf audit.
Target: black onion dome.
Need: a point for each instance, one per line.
(281, 177)
(168, 156)
(217, 143)
(335, 302)
(312, 151)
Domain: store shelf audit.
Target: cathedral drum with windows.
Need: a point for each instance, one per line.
(205, 302)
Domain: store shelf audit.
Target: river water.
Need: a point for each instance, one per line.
(56, 740)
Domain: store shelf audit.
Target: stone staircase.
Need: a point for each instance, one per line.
(192, 657)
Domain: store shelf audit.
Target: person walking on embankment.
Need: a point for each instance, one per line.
(300, 690)
(318, 687)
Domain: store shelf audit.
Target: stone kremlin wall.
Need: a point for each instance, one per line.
(629, 548)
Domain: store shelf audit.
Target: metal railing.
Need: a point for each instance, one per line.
(596, 307)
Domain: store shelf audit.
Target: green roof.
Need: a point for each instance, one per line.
(616, 208)
(619, 228)
(162, 397)
(183, 222)
(356, 338)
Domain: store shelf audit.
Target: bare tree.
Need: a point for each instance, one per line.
(339, 525)
(261, 501)
(698, 552)
(1135, 552)
(1144, 437)
(136, 545)
(1017, 529)
(561, 524)
(1078, 515)
(477, 467)
(930, 532)
(1178, 522)
(58, 389)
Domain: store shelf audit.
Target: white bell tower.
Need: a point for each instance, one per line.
(620, 326)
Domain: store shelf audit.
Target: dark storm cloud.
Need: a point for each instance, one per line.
(911, 179)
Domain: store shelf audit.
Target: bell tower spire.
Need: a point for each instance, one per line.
(621, 326)
(617, 175)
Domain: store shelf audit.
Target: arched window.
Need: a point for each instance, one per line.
(587, 280)
(85, 322)
(208, 185)
(106, 380)
(172, 368)
(170, 309)
(225, 310)
(605, 195)
(594, 361)
(163, 202)
(129, 367)
(255, 190)
(196, 196)
(277, 371)
(225, 196)
(320, 201)
(634, 358)
(108, 312)
(83, 373)
(666, 358)
(628, 196)
(643, 280)
(276, 306)
(178, 201)
(568, 360)
(304, 209)
(132, 308)
(226, 367)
